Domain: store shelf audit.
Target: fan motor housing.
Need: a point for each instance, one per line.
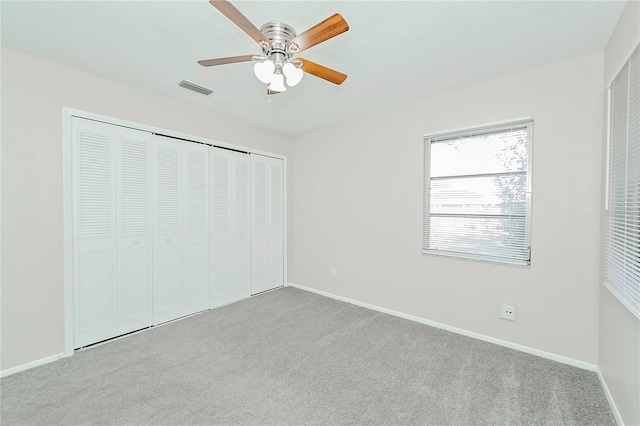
(279, 34)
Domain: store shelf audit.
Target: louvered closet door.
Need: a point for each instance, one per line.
(112, 231)
(134, 244)
(267, 231)
(94, 229)
(181, 235)
(168, 247)
(196, 227)
(230, 236)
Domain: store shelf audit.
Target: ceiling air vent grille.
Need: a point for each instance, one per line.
(195, 88)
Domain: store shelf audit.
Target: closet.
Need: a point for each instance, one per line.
(164, 228)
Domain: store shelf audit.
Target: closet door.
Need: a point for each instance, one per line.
(267, 231)
(94, 229)
(168, 260)
(112, 231)
(181, 236)
(134, 243)
(230, 236)
(196, 227)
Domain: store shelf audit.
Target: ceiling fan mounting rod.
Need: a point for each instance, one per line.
(278, 57)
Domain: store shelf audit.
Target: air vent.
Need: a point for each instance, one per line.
(195, 88)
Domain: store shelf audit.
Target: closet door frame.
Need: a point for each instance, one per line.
(67, 179)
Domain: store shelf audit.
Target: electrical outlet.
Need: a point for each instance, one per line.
(333, 271)
(508, 312)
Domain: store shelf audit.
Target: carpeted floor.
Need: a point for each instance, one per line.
(293, 357)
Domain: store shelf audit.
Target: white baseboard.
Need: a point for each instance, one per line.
(32, 364)
(612, 402)
(507, 344)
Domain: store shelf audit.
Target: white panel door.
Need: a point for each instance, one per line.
(267, 231)
(168, 249)
(196, 227)
(230, 236)
(134, 244)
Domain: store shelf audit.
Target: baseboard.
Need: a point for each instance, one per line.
(32, 364)
(607, 393)
(507, 344)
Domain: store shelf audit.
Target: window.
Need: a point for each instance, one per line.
(477, 193)
(622, 203)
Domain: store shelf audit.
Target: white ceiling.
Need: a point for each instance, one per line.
(395, 51)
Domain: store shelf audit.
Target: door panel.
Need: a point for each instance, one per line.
(230, 252)
(136, 288)
(196, 278)
(134, 201)
(196, 226)
(181, 238)
(94, 232)
(96, 317)
(221, 266)
(267, 235)
(259, 261)
(168, 282)
(259, 242)
(276, 260)
(241, 230)
(242, 262)
(168, 250)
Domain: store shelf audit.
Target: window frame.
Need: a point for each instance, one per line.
(490, 128)
(619, 289)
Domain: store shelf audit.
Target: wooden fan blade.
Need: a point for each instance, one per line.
(222, 61)
(329, 28)
(323, 72)
(272, 92)
(239, 19)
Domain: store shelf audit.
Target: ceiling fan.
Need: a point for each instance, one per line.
(280, 43)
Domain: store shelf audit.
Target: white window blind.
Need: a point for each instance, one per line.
(477, 193)
(622, 235)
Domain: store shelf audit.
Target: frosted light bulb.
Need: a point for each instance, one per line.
(293, 74)
(277, 83)
(264, 70)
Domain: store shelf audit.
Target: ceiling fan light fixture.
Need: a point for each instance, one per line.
(293, 74)
(264, 70)
(277, 83)
(279, 43)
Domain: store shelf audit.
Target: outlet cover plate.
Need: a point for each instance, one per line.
(508, 312)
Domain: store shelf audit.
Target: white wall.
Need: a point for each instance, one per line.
(355, 199)
(34, 92)
(619, 345)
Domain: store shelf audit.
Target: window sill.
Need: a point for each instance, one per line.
(477, 258)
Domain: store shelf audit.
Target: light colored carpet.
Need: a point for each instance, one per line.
(293, 357)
